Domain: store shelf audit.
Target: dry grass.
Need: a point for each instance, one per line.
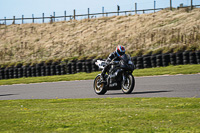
(96, 37)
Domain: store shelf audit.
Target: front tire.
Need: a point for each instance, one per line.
(128, 85)
(99, 88)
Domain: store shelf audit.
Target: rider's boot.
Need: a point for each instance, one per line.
(103, 73)
(103, 78)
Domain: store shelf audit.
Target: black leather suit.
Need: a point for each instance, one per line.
(109, 59)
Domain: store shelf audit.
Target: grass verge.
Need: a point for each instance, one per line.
(101, 115)
(171, 70)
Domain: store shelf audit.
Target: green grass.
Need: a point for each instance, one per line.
(171, 70)
(141, 115)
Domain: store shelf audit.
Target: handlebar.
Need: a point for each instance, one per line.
(114, 62)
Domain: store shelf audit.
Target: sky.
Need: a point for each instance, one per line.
(17, 8)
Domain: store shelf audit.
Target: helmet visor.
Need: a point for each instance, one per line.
(121, 53)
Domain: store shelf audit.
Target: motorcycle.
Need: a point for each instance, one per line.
(119, 76)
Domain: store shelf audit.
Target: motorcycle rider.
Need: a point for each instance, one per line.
(120, 50)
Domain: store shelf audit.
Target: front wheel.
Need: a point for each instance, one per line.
(99, 88)
(129, 84)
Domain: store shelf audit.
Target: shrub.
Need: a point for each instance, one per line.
(179, 48)
(158, 51)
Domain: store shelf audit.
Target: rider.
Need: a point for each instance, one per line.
(120, 50)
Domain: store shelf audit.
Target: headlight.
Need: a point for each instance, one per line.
(130, 62)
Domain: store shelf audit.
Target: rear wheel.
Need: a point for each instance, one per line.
(99, 87)
(128, 85)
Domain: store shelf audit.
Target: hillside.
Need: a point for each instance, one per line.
(140, 34)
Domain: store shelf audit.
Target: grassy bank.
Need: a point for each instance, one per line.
(170, 70)
(101, 115)
(163, 31)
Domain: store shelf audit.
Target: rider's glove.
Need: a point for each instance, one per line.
(108, 62)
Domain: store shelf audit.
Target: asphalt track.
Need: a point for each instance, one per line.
(155, 86)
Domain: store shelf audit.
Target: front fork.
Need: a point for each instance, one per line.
(125, 82)
(124, 76)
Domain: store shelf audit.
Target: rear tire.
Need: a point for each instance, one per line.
(99, 89)
(129, 85)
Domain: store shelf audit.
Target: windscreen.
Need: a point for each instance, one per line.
(125, 58)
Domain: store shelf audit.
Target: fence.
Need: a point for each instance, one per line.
(52, 18)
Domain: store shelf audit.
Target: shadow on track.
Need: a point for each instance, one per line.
(3, 95)
(144, 92)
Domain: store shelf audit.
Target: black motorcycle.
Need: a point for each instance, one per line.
(119, 76)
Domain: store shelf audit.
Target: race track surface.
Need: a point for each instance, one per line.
(155, 86)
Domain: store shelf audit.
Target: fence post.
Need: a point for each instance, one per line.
(74, 14)
(191, 4)
(65, 13)
(118, 8)
(103, 11)
(154, 6)
(170, 4)
(22, 19)
(54, 15)
(5, 20)
(42, 17)
(51, 19)
(135, 8)
(88, 13)
(13, 20)
(33, 17)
